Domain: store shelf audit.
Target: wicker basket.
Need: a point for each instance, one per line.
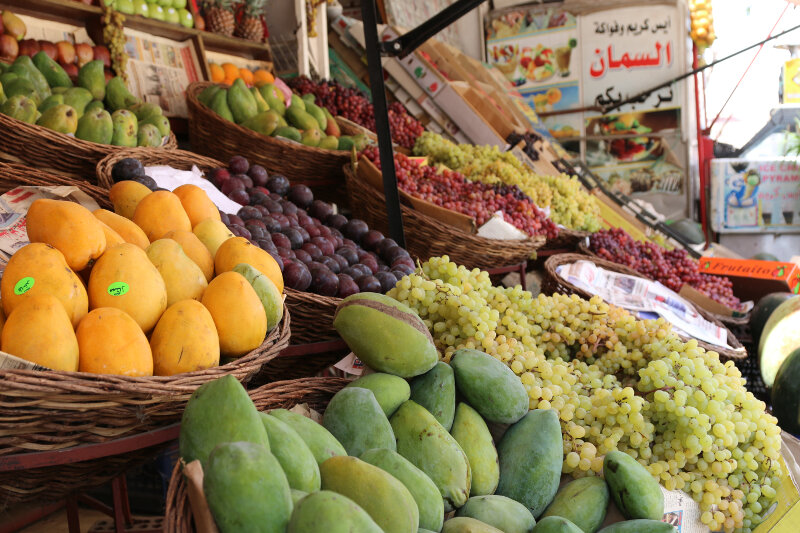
(316, 392)
(568, 239)
(179, 159)
(313, 317)
(216, 137)
(553, 283)
(47, 149)
(427, 237)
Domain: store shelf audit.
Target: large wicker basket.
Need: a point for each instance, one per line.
(216, 137)
(47, 149)
(553, 283)
(427, 237)
(316, 392)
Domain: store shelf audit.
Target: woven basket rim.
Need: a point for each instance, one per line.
(166, 157)
(737, 351)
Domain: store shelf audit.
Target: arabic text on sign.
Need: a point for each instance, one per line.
(633, 28)
(606, 60)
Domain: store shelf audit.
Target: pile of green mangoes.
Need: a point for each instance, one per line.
(263, 110)
(39, 91)
(405, 456)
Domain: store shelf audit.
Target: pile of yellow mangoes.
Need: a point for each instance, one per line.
(158, 287)
(702, 29)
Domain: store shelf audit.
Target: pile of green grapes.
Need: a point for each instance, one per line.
(617, 383)
(570, 204)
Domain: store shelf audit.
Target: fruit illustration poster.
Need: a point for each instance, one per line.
(751, 196)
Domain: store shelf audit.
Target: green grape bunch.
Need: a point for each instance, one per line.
(617, 383)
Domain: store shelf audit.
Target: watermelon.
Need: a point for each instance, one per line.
(781, 336)
(763, 310)
(786, 394)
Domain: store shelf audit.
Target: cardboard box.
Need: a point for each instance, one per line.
(754, 279)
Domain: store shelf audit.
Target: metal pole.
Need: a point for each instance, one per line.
(375, 69)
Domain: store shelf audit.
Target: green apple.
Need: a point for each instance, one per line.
(157, 12)
(141, 7)
(179, 4)
(171, 15)
(151, 1)
(109, 3)
(125, 6)
(186, 18)
(165, 3)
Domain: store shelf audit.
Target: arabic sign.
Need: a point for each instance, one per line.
(751, 196)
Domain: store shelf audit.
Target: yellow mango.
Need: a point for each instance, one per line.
(126, 195)
(237, 312)
(240, 250)
(112, 237)
(183, 278)
(195, 249)
(212, 233)
(70, 228)
(111, 342)
(126, 229)
(196, 203)
(125, 278)
(38, 268)
(39, 330)
(184, 340)
(159, 213)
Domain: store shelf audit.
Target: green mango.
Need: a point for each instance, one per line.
(298, 101)
(21, 108)
(311, 137)
(52, 71)
(96, 126)
(356, 419)
(297, 495)
(4, 67)
(207, 94)
(267, 292)
(219, 105)
(3, 96)
(246, 489)
(148, 135)
(463, 524)
(333, 126)
(380, 494)
(296, 459)
(422, 440)
(319, 440)
(264, 123)
(315, 111)
(282, 122)
(51, 101)
(274, 98)
(635, 491)
(118, 96)
(423, 530)
(329, 512)
(93, 105)
(422, 489)
(531, 455)
(329, 142)
(22, 87)
(583, 502)
(435, 390)
(361, 141)
(6, 77)
(79, 98)
(489, 386)
(472, 434)
(217, 412)
(308, 97)
(61, 118)
(287, 132)
(160, 122)
(59, 90)
(498, 511)
(346, 143)
(556, 524)
(300, 119)
(241, 102)
(640, 526)
(146, 110)
(92, 78)
(23, 67)
(261, 104)
(390, 391)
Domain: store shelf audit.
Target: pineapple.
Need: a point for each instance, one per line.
(219, 16)
(250, 26)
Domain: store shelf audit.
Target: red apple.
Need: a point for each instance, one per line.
(9, 46)
(2, 26)
(101, 53)
(66, 52)
(49, 48)
(71, 69)
(28, 47)
(84, 53)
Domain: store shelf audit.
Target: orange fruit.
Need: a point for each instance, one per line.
(231, 71)
(229, 81)
(217, 72)
(263, 76)
(246, 76)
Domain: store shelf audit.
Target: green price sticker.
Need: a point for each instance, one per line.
(24, 285)
(118, 288)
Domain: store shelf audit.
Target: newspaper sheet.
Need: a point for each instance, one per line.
(649, 299)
